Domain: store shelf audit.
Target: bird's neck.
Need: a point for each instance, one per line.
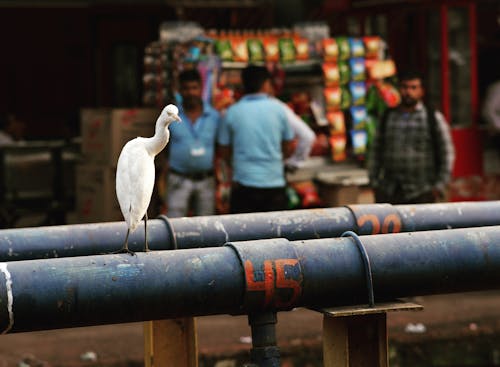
(155, 144)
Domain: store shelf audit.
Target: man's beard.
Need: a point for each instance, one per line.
(409, 102)
(192, 102)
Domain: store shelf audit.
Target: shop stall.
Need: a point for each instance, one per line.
(338, 85)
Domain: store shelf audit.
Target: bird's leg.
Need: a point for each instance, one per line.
(146, 247)
(125, 248)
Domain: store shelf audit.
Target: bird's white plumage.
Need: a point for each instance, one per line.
(135, 176)
(135, 171)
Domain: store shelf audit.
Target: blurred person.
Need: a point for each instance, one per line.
(12, 129)
(491, 107)
(191, 151)
(255, 137)
(412, 153)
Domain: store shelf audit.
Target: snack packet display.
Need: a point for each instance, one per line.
(358, 116)
(330, 49)
(344, 49)
(359, 139)
(331, 74)
(357, 47)
(358, 93)
(357, 67)
(338, 147)
(336, 121)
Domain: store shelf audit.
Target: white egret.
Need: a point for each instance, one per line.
(135, 173)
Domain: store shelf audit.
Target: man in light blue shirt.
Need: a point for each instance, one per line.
(191, 152)
(256, 137)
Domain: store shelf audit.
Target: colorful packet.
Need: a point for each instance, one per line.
(357, 47)
(373, 45)
(344, 72)
(358, 92)
(333, 98)
(255, 49)
(358, 116)
(330, 49)
(301, 48)
(224, 50)
(338, 144)
(344, 49)
(271, 48)
(240, 50)
(346, 98)
(331, 74)
(359, 139)
(336, 121)
(357, 66)
(287, 49)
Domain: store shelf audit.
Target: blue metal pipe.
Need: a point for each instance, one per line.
(182, 233)
(243, 277)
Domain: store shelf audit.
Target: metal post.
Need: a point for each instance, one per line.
(265, 352)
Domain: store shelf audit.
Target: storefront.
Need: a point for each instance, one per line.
(440, 38)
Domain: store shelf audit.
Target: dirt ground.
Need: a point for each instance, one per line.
(443, 317)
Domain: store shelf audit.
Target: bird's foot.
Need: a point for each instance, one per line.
(124, 250)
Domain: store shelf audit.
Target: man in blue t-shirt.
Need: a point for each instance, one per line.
(191, 151)
(256, 136)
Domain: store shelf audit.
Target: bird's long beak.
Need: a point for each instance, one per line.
(177, 118)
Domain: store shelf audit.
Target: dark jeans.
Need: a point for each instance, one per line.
(245, 199)
(382, 197)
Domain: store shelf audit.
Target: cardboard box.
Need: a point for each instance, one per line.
(95, 194)
(105, 131)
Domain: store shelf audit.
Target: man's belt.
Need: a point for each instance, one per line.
(194, 176)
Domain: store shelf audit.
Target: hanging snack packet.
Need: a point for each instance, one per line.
(344, 72)
(346, 99)
(224, 50)
(331, 74)
(358, 93)
(255, 50)
(344, 49)
(359, 138)
(240, 50)
(336, 121)
(287, 49)
(358, 116)
(357, 47)
(301, 47)
(271, 48)
(389, 94)
(337, 144)
(330, 49)
(357, 69)
(373, 46)
(333, 98)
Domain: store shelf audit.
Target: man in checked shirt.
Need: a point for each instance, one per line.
(412, 153)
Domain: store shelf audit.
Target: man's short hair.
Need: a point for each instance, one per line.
(253, 77)
(189, 75)
(410, 75)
